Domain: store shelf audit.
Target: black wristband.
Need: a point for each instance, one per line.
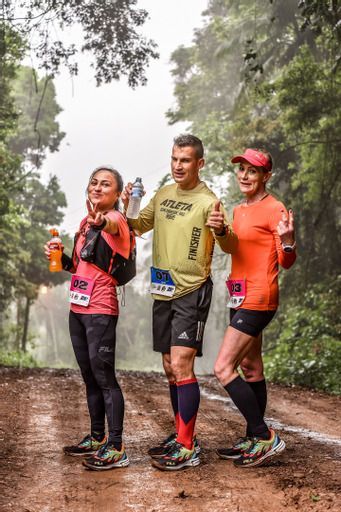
(101, 226)
(222, 233)
(67, 262)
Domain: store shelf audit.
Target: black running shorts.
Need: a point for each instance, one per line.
(181, 322)
(250, 321)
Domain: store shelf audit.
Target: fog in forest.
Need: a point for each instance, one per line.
(261, 74)
(51, 344)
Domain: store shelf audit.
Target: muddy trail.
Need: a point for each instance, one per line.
(42, 410)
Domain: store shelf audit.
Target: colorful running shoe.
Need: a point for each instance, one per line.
(236, 450)
(166, 445)
(163, 448)
(88, 446)
(178, 457)
(260, 450)
(107, 457)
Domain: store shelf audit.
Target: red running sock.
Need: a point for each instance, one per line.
(188, 402)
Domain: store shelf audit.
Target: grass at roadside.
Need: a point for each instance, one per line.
(17, 358)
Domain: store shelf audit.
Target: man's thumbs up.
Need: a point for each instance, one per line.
(216, 219)
(217, 206)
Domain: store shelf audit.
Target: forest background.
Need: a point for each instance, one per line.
(259, 73)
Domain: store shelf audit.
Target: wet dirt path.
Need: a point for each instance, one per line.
(42, 410)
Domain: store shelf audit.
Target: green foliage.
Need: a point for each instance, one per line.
(110, 35)
(28, 206)
(41, 208)
(307, 338)
(267, 74)
(318, 15)
(11, 51)
(27, 129)
(18, 359)
(37, 109)
(12, 253)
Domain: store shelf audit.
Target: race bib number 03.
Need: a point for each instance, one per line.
(161, 282)
(81, 290)
(237, 292)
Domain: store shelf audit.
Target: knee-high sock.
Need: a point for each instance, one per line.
(259, 389)
(246, 401)
(188, 400)
(173, 391)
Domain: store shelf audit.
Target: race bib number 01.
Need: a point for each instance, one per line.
(161, 282)
(237, 292)
(81, 290)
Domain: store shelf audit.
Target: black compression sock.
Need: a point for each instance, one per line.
(246, 401)
(259, 389)
(173, 392)
(116, 443)
(97, 435)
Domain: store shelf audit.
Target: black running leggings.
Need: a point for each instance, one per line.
(94, 338)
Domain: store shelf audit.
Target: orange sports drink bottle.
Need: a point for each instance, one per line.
(56, 252)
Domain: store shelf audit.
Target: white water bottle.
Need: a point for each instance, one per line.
(135, 199)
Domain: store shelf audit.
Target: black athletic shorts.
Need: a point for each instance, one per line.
(250, 321)
(181, 322)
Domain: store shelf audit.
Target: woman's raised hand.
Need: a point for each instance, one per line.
(286, 228)
(95, 218)
(125, 196)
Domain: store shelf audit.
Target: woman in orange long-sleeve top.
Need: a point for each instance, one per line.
(266, 240)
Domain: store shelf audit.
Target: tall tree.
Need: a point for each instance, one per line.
(38, 129)
(42, 207)
(267, 74)
(110, 34)
(11, 253)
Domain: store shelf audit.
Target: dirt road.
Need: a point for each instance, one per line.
(41, 410)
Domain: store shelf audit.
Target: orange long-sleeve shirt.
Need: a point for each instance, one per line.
(259, 252)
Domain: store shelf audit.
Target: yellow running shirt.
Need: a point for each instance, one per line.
(182, 244)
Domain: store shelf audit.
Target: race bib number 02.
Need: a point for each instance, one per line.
(161, 282)
(81, 290)
(237, 292)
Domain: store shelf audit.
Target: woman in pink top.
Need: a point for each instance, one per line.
(93, 317)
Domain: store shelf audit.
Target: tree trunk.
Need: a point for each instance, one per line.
(26, 322)
(53, 334)
(18, 333)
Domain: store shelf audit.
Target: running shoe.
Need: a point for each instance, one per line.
(88, 446)
(107, 457)
(260, 450)
(163, 448)
(178, 457)
(236, 450)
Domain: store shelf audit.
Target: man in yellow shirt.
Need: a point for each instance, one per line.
(187, 220)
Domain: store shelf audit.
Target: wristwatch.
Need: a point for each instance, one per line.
(289, 248)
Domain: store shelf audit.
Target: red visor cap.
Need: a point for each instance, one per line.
(254, 158)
